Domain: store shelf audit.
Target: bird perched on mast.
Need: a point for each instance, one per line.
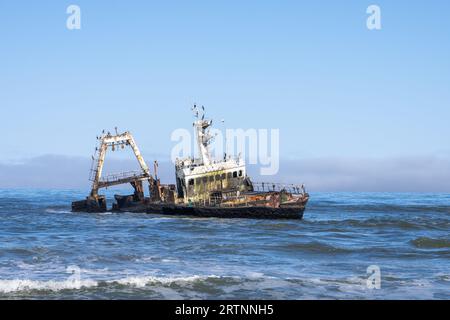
(203, 113)
(195, 110)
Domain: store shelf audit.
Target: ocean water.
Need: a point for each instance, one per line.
(47, 252)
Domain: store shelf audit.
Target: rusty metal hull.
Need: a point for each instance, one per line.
(229, 213)
(255, 211)
(91, 205)
(247, 212)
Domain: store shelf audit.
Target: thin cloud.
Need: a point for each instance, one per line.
(413, 174)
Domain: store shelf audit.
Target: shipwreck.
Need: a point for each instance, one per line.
(205, 187)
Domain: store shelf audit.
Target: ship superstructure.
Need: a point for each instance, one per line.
(206, 180)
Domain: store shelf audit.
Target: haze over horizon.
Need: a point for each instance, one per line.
(425, 174)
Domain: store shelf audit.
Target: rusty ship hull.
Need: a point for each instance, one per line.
(231, 213)
(292, 211)
(254, 208)
(256, 212)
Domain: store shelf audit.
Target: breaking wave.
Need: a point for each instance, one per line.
(55, 210)
(27, 285)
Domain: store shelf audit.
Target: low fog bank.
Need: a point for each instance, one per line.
(419, 174)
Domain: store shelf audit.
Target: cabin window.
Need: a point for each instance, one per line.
(235, 174)
(191, 182)
(205, 179)
(198, 181)
(211, 178)
(229, 175)
(240, 173)
(223, 176)
(218, 177)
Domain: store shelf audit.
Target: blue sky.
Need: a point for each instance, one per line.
(311, 68)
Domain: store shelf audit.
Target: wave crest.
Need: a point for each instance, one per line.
(27, 285)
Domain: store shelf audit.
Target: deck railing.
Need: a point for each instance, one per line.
(121, 176)
(277, 187)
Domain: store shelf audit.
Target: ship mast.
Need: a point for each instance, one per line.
(203, 135)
